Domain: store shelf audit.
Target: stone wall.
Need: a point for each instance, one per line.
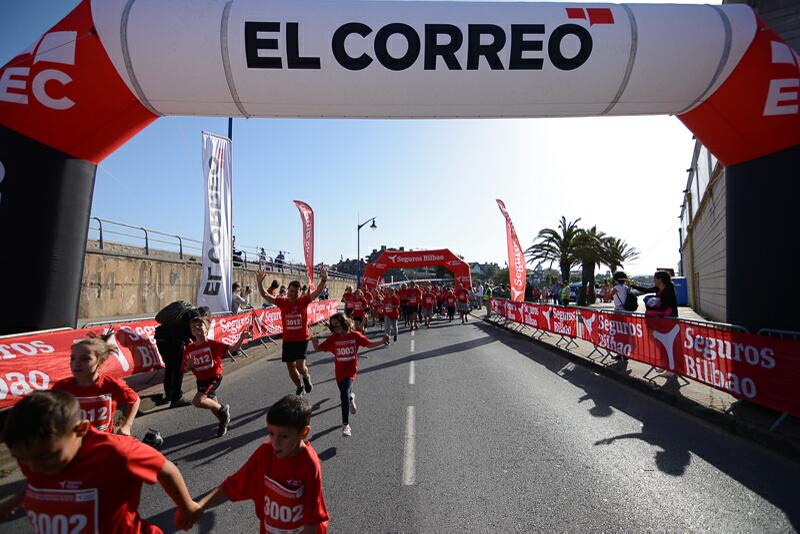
(122, 282)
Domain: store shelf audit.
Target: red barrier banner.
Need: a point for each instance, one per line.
(760, 369)
(36, 361)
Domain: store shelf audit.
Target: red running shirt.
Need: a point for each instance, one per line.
(99, 401)
(98, 491)
(294, 317)
(286, 492)
(428, 300)
(391, 308)
(462, 295)
(348, 300)
(359, 305)
(413, 296)
(205, 359)
(344, 348)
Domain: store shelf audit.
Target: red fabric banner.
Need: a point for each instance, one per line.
(36, 361)
(516, 258)
(760, 369)
(307, 215)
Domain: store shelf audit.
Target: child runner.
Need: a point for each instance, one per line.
(203, 357)
(413, 296)
(359, 310)
(377, 309)
(391, 312)
(402, 294)
(450, 304)
(80, 479)
(343, 344)
(428, 300)
(347, 298)
(283, 477)
(462, 296)
(294, 319)
(98, 394)
(368, 297)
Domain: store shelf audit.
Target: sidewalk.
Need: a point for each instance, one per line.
(745, 419)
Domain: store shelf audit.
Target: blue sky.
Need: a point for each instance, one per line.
(431, 183)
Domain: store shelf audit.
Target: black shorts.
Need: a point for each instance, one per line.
(209, 387)
(348, 313)
(294, 350)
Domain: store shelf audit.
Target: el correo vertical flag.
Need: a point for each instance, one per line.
(307, 215)
(217, 276)
(516, 258)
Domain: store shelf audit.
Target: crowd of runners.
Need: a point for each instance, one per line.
(82, 476)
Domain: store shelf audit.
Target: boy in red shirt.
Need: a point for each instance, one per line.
(80, 479)
(414, 296)
(391, 312)
(359, 310)
(428, 300)
(294, 320)
(450, 302)
(462, 296)
(283, 477)
(347, 298)
(203, 357)
(343, 344)
(98, 394)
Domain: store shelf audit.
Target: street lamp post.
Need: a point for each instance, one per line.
(358, 261)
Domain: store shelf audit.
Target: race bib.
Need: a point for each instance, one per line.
(294, 321)
(283, 507)
(97, 410)
(202, 359)
(53, 511)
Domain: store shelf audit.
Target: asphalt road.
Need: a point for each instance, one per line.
(506, 437)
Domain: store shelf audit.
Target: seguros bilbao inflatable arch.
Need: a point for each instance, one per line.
(111, 67)
(411, 259)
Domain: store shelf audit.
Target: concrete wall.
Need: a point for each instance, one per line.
(704, 254)
(121, 282)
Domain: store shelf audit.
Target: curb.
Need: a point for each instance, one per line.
(729, 423)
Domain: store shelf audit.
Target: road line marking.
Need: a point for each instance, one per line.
(412, 333)
(412, 345)
(409, 469)
(411, 373)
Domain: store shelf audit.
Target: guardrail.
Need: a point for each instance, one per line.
(720, 355)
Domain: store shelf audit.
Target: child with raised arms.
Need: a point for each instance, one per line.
(344, 344)
(203, 357)
(283, 477)
(97, 393)
(80, 479)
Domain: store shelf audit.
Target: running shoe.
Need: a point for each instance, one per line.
(347, 431)
(299, 391)
(224, 421)
(307, 383)
(353, 403)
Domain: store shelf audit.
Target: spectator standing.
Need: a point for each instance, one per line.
(487, 300)
(620, 291)
(172, 334)
(262, 259)
(665, 303)
(239, 302)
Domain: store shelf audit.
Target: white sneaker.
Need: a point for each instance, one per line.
(353, 403)
(346, 431)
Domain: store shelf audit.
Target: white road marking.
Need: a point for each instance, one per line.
(412, 333)
(411, 373)
(412, 345)
(409, 468)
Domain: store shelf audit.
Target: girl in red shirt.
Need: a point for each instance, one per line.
(359, 310)
(344, 344)
(98, 394)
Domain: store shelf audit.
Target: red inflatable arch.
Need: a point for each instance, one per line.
(399, 259)
(111, 67)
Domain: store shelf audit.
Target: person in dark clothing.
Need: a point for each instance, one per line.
(665, 303)
(171, 339)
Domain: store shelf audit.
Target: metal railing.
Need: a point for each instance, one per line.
(183, 243)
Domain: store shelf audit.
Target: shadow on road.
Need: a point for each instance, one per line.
(433, 353)
(677, 436)
(164, 520)
(327, 454)
(321, 433)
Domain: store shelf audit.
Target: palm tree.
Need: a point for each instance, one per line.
(590, 250)
(618, 252)
(556, 245)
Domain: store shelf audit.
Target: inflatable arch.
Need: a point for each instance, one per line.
(399, 259)
(111, 67)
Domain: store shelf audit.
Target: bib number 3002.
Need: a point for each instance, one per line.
(58, 524)
(282, 513)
